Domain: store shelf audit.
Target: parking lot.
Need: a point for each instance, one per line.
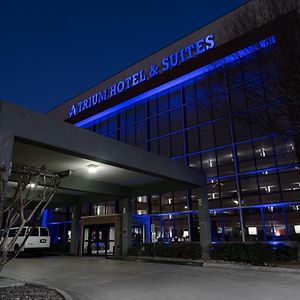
(100, 278)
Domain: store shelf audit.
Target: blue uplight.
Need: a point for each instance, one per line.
(208, 68)
(44, 218)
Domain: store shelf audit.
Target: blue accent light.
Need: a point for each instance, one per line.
(44, 218)
(219, 63)
(281, 204)
(58, 223)
(170, 214)
(260, 171)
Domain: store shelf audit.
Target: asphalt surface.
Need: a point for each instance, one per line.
(100, 278)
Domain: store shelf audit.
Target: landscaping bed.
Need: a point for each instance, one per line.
(254, 253)
(257, 254)
(29, 292)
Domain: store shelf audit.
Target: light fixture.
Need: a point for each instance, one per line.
(32, 185)
(92, 169)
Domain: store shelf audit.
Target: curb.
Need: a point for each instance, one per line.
(64, 294)
(146, 259)
(249, 267)
(204, 264)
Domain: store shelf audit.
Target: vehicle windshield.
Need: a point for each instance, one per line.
(14, 231)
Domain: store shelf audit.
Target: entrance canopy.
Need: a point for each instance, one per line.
(29, 138)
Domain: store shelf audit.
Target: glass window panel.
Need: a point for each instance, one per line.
(228, 189)
(254, 230)
(245, 152)
(153, 146)
(238, 100)
(164, 127)
(234, 73)
(222, 132)
(232, 225)
(274, 223)
(122, 133)
(174, 96)
(131, 134)
(193, 142)
(204, 110)
(217, 81)
(167, 202)
(207, 136)
(155, 203)
(209, 163)
(140, 132)
(112, 124)
(219, 104)
(201, 86)
(190, 112)
(177, 144)
(152, 106)
(164, 146)
(188, 91)
(255, 93)
(130, 115)
(250, 190)
(176, 119)
(180, 201)
(123, 119)
(195, 161)
(163, 101)
(241, 127)
(225, 161)
(153, 127)
(251, 66)
(289, 179)
(292, 218)
(140, 111)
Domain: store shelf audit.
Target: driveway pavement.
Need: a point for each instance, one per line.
(100, 278)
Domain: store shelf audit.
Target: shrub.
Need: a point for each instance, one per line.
(172, 250)
(254, 253)
(59, 248)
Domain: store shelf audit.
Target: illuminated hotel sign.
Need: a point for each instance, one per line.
(169, 62)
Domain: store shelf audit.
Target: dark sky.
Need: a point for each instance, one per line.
(53, 49)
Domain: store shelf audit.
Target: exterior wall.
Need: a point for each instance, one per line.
(209, 122)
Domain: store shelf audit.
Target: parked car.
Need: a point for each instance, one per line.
(38, 240)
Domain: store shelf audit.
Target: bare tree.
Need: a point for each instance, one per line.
(277, 23)
(22, 202)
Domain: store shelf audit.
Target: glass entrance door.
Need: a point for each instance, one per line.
(99, 240)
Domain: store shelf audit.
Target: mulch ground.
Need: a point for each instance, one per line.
(28, 292)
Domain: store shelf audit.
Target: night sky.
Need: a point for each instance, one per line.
(53, 50)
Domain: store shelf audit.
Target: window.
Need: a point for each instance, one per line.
(193, 140)
(44, 231)
(35, 232)
(163, 101)
(177, 144)
(188, 91)
(207, 136)
(176, 119)
(174, 96)
(163, 124)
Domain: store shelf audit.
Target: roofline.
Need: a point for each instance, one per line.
(153, 53)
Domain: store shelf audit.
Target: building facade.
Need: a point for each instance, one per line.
(201, 101)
